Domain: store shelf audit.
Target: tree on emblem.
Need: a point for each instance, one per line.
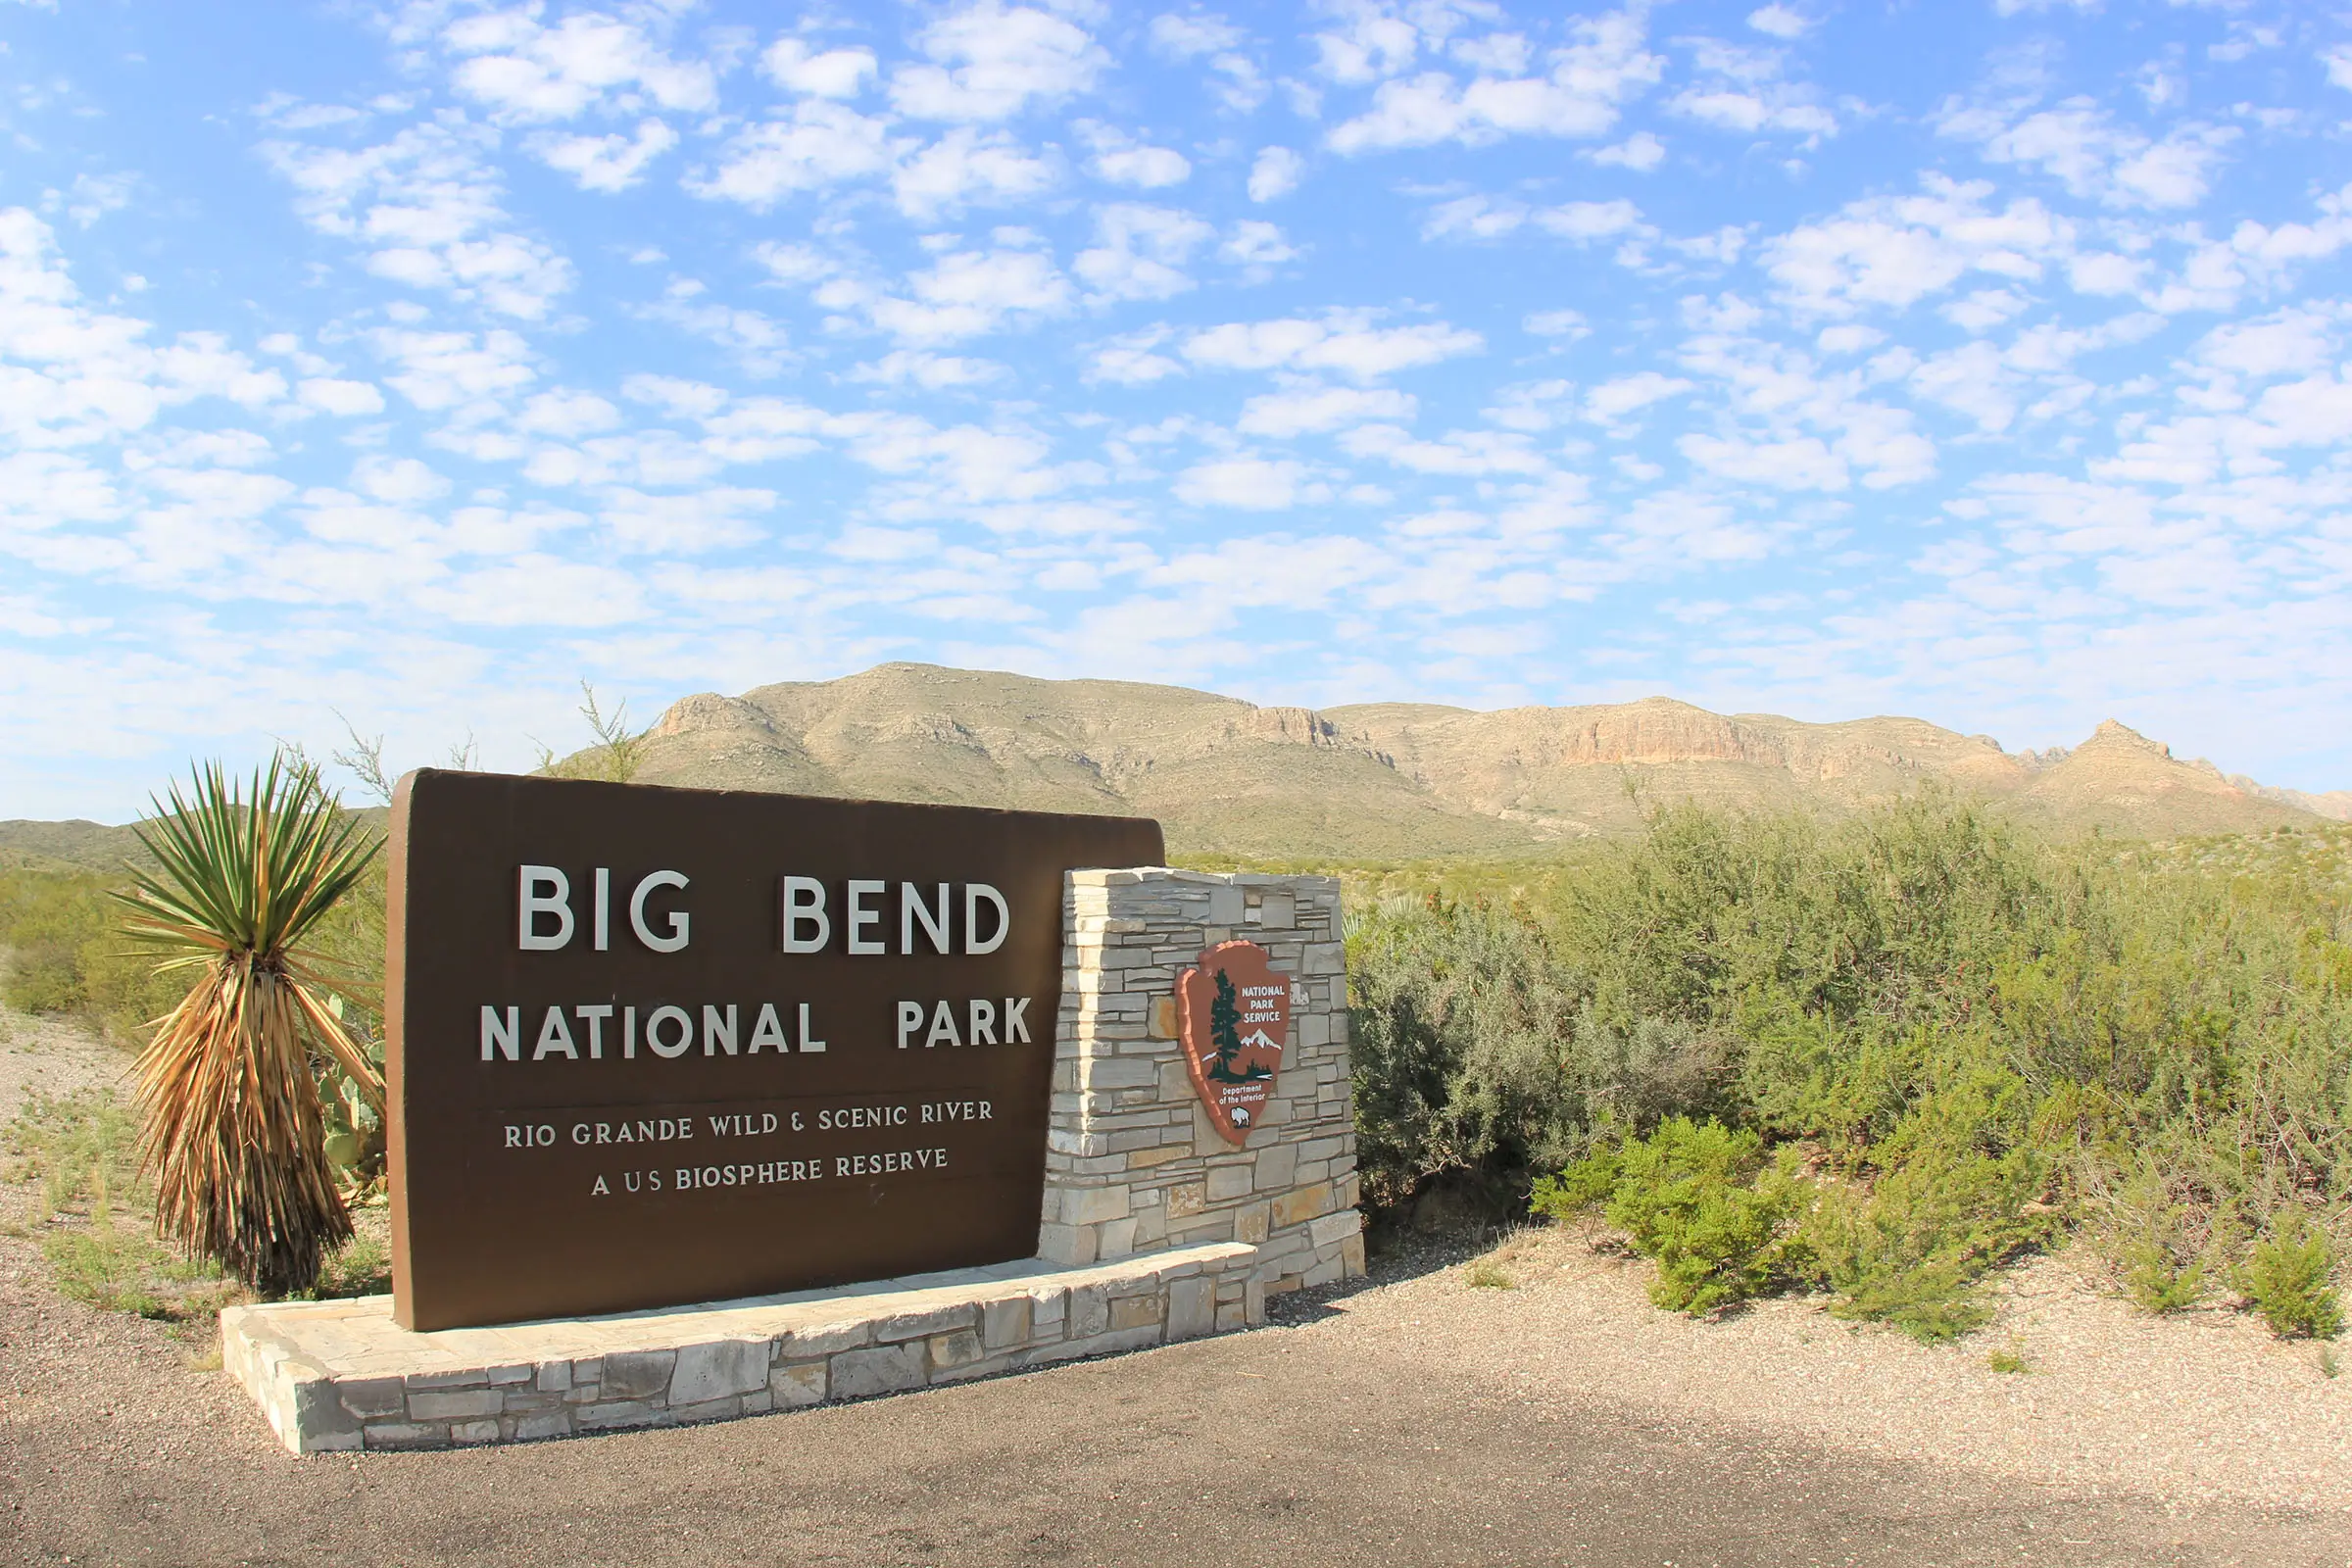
(1225, 1030)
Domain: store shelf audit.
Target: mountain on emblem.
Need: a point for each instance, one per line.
(1234, 1020)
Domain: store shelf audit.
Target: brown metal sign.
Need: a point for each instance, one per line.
(649, 1046)
(1234, 1016)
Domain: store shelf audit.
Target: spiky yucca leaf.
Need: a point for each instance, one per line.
(230, 1117)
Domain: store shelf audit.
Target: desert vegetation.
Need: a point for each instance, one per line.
(1877, 1056)
(1881, 1057)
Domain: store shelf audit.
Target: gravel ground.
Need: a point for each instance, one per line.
(55, 1056)
(1413, 1420)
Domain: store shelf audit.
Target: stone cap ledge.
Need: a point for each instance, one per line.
(355, 1338)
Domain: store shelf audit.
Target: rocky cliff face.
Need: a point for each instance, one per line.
(1391, 779)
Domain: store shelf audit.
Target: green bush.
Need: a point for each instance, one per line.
(2290, 1277)
(1982, 1042)
(1701, 1199)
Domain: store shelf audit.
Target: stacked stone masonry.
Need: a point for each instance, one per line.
(1133, 1163)
(335, 1376)
(1154, 1228)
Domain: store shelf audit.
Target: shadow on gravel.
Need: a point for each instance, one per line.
(1392, 1255)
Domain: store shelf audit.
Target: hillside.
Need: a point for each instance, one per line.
(1388, 780)
(1370, 781)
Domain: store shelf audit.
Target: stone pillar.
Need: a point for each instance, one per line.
(1133, 1163)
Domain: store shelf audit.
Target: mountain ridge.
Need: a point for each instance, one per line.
(1364, 780)
(1383, 779)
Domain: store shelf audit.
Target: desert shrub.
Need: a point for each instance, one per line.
(2288, 1276)
(1982, 1041)
(1460, 1020)
(64, 954)
(1700, 1198)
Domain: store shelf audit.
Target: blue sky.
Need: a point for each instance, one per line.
(1976, 360)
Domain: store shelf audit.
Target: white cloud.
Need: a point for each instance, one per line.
(820, 144)
(1342, 342)
(346, 397)
(757, 340)
(933, 372)
(1313, 410)
(1257, 248)
(2079, 144)
(426, 207)
(1778, 21)
(794, 66)
(1805, 463)
(1586, 222)
(1612, 401)
(526, 71)
(1589, 81)
(968, 168)
(1131, 360)
(991, 61)
(440, 371)
(1199, 34)
(1139, 250)
(1275, 174)
(610, 163)
(1640, 152)
(1895, 251)
(968, 293)
(1463, 454)
(1250, 484)
(1123, 160)
(1565, 323)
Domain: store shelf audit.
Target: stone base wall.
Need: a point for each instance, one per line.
(1133, 1161)
(334, 1376)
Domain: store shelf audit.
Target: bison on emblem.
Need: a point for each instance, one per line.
(1234, 1019)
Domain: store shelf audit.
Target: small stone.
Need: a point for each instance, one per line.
(1004, 1323)
(795, 1388)
(638, 1374)
(718, 1370)
(456, 1405)
(1191, 1307)
(885, 1369)
(959, 1349)
(1300, 1205)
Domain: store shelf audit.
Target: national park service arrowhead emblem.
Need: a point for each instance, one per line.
(1233, 1021)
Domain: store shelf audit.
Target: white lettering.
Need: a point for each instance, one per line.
(652, 1032)
(943, 1028)
(984, 1021)
(595, 1014)
(805, 903)
(677, 920)
(555, 1038)
(602, 928)
(860, 918)
(1016, 1022)
(808, 1044)
(628, 1034)
(768, 1031)
(973, 893)
(501, 1034)
(912, 908)
(718, 1030)
(536, 903)
(910, 1019)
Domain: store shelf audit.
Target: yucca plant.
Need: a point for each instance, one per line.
(231, 1128)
